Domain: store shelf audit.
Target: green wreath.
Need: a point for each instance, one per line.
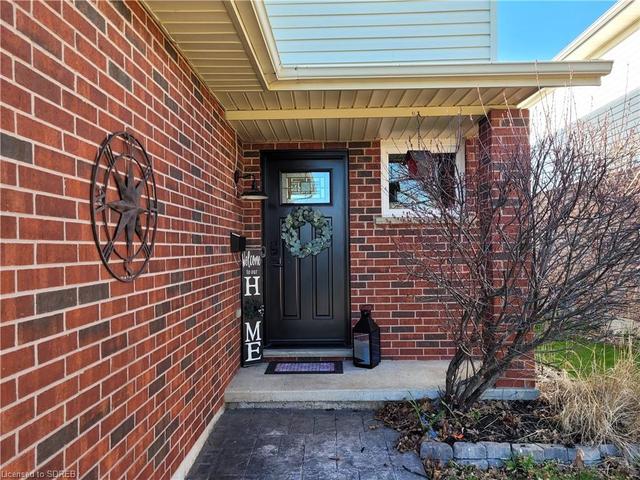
(296, 219)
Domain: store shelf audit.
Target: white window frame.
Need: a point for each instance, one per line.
(393, 146)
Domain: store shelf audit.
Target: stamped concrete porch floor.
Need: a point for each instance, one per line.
(285, 444)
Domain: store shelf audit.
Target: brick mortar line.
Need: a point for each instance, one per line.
(110, 318)
(109, 280)
(94, 45)
(79, 372)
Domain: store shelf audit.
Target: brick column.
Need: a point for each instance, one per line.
(503, 137)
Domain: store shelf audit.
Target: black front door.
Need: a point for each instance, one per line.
(306, 299)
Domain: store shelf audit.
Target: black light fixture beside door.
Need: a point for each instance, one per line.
(253, 193)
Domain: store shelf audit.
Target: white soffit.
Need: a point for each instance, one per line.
(231, 46)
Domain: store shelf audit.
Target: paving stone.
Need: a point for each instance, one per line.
(495, 462)
(378, 474)
(469, 450)
(528, 450)
(478, 463)
(437, 451)
(409, 460)
(263, 444)
(590, 455)
(498, 450)
(555, 452)
(609, 450)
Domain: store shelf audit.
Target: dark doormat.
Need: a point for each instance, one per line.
(285, 368)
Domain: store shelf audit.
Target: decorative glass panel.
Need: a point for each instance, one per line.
(305, 187)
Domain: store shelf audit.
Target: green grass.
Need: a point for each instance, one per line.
(582, 357)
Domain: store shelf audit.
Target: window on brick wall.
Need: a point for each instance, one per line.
(397, 189)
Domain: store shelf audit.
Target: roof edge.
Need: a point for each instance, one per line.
(623, 17)
(469, 75)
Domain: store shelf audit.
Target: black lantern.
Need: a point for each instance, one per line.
(254, 193)
(366, 340)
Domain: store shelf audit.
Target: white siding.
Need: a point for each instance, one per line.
(617, 100)
(333, 31)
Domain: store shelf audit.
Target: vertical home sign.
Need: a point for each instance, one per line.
(252, 307)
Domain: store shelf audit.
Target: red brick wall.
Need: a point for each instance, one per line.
(502, 137)
(103, 378)
(411, 314)
(411, 324)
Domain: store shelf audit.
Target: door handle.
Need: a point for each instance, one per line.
(274, 251)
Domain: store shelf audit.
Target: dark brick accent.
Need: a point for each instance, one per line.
(175, 173)
(184, 140)
(156, 386)
(177, 277)
(94, 333)
(170, 50)
(402, 314)
(93, 293)
(111, 346)
(155, 447)
(171, 104)
(40, 328)
(186, 361)
(208, 250)
(196, 238)
(198, 95)
(120, 75)
(162, 308)
(172, 427)
(190, 394)
(157, 325)
(190, 323)
(161, 454)
(92, 14)
(122, 8)
(56, 300)
(57, 441)
(122, 430)
(91, 474)
(12, 147)
(402, 329)
(201, 338)
(195, 80)
(162, 424)
(163, 366)
(196, 172)
(160, 80)
(196, 216)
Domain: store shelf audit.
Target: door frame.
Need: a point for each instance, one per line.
(305, 154)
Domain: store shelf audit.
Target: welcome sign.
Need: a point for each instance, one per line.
(252, 307)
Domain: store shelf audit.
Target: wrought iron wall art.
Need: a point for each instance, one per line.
(124, 206)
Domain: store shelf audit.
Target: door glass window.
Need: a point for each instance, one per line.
(305, 187)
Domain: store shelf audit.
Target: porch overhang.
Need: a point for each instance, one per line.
(231, 45)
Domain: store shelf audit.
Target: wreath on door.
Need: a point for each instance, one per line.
(298, 217)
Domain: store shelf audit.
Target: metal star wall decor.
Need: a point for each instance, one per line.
(124, 206)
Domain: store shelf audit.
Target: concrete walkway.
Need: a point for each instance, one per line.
(282, 444)
(391, 380)
(356, 387)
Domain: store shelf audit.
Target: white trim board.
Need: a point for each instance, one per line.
(190, 458)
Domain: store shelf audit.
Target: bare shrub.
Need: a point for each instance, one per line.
(535, 245)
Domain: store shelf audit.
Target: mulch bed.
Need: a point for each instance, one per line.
(496, 421)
